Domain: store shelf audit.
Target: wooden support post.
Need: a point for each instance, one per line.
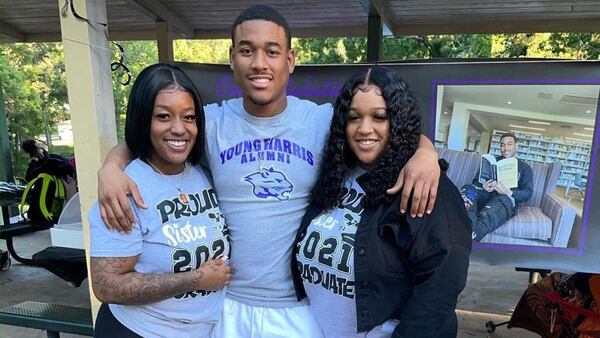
(91, 102)
(164, 39)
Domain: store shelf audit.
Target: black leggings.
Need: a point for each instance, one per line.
(107, 326)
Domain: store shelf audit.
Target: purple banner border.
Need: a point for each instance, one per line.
(591, 174)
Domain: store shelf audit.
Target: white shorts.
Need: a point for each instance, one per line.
(246, 321)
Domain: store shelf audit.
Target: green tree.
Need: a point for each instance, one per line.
(404, 48)
(34, 92)
(354, 49)
(437, 46)
(583, 46)
(43, 71)
(137, 55)
(202, 51)
(580, 46)
(320, 50)
(515, 45)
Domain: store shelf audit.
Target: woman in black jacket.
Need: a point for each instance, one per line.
(367, 269)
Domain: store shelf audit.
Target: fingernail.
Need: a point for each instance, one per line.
(121, 232)
(428, 212)
(412, 215)
(420, 215)
(402, 210)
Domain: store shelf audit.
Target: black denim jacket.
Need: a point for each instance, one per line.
(410, 269)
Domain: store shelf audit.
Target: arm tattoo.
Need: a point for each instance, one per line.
(113, 283)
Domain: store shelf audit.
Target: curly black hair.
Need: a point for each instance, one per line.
(338, 159)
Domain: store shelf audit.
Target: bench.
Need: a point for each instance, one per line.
(53, 318)
(67, 263)
(8, 231)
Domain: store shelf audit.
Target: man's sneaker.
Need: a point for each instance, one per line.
(468, 195)
(4, 261)
(467, 199)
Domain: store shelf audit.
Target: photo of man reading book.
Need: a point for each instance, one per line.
(493, 197)
(504, 171)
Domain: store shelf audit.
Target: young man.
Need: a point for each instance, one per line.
(491, 204)
(263, 151)
(42, 161)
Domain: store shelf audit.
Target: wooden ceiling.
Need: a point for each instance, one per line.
(38, 20)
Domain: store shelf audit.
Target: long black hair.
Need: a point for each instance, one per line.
(338, 159)
(140, 107)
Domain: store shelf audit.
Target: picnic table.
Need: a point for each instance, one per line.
(67, 263)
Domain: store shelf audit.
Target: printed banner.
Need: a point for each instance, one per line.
(467, 106)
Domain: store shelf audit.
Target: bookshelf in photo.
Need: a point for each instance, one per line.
(574, 155)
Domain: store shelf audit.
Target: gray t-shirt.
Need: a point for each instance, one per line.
(169, 237)
(264, 207)
(326, 257)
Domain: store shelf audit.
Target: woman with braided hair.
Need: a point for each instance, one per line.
(367, 269)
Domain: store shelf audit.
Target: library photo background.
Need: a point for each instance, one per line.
(555, 127)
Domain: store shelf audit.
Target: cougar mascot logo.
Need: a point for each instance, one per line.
(270, 183)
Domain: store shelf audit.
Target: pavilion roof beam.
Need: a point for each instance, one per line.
(11, 33)
(157, 11)
(498, 27)
(297, 32)
(56, 37)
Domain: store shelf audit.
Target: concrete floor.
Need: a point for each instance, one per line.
(491, 293)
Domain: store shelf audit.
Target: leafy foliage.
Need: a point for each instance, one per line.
(585, 46)
(354, 49)
(137, 56)
(35, 93)
(202, 51)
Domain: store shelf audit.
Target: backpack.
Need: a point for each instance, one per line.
(46, 196)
